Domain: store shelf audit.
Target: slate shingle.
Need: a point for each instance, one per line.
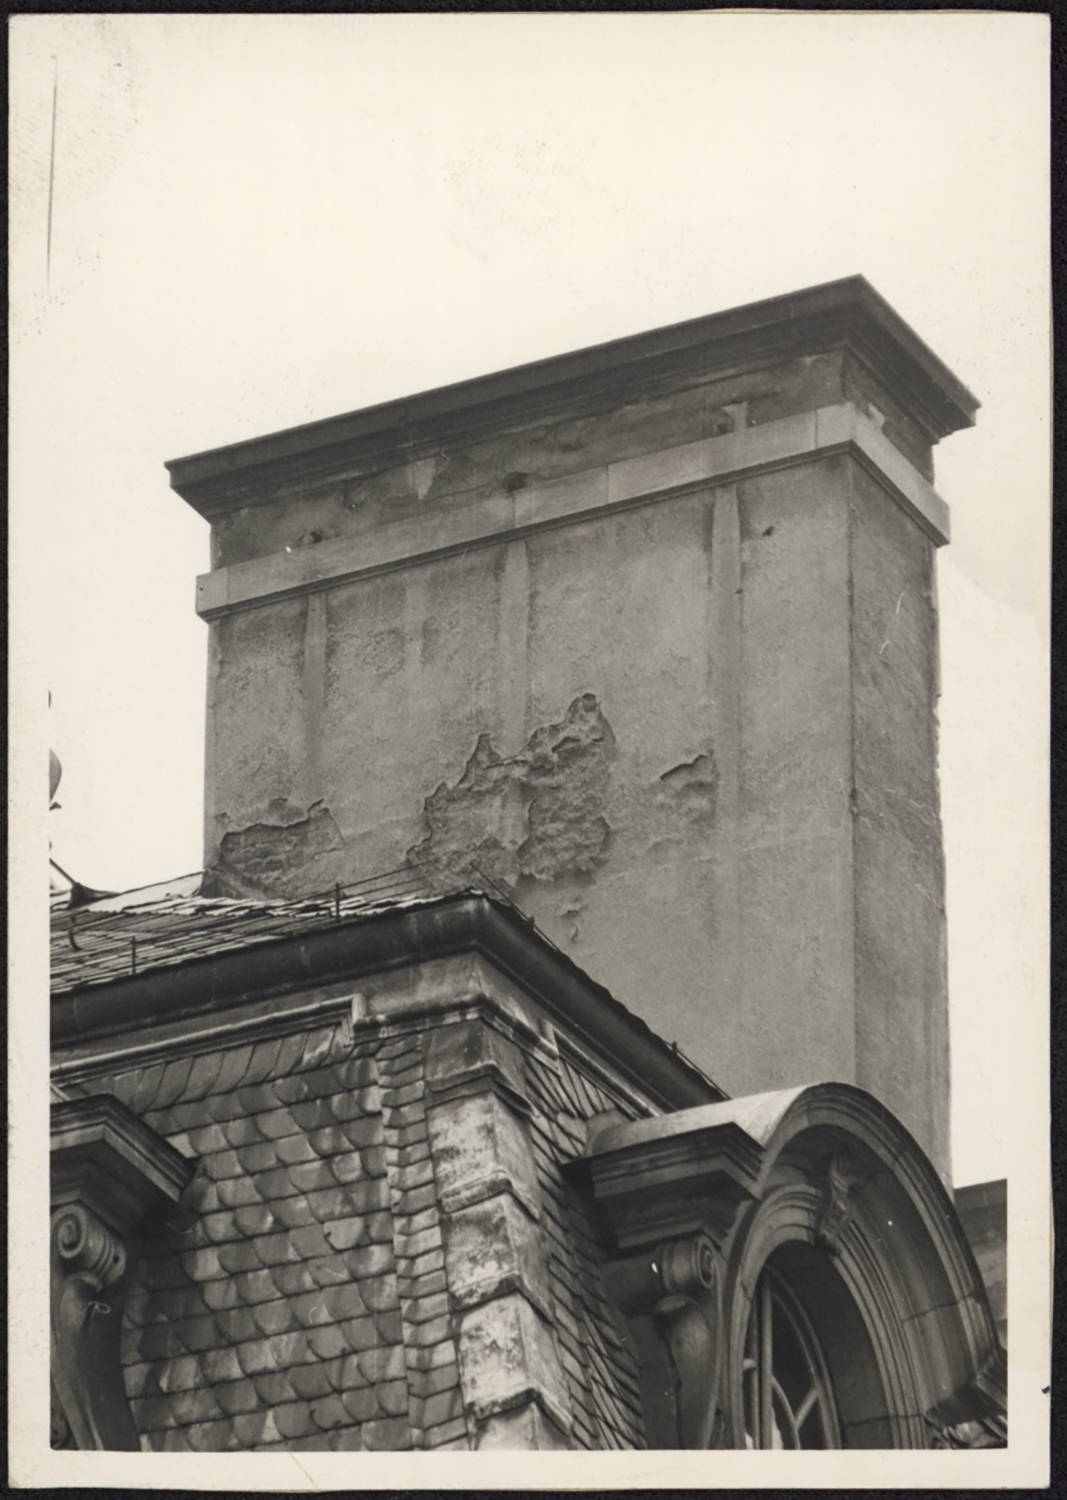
(208, 1437)
(361, 1103)
(274, 1317)
(291, 1277)
(346, 1440)
(294, 1149)
(390, 1434)
(363, 1333)
(327, 1341)
(328, 1270)
(329, 1412)
(310, 1381)
(362, 1403)
(172, 1084)
(291, 1213)
(255, 1286)
(237, 1396)
(238, 1192)
(314, 1442)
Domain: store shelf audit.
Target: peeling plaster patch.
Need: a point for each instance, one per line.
(539, 813)
(266, 856)
(478, 822)
(570, 915)
(312, 538)
(569, 766)
(423, 472)
(687, 791)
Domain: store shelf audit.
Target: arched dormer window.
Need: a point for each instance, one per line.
(793, 1274)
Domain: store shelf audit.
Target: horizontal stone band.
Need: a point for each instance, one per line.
(644, 480)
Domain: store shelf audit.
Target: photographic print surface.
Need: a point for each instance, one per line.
(542, 526)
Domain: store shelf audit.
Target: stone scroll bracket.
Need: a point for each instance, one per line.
(671, 1297)
(671, 1188)
(109, 1173)
(839, 1206)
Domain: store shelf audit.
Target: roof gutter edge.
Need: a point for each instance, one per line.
(391, 940)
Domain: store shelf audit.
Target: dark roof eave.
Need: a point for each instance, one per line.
(389, 940)
(846, 311)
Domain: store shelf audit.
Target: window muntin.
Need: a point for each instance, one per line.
(786, 1389)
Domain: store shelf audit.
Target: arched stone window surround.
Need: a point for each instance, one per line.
(827, 1182)
(898, 1253)
(846, 1308)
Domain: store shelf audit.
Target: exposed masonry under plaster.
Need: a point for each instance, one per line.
(539, 813)
(264, 855)
(689, 789)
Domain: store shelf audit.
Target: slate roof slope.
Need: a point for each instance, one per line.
(108, 940)
(597, 1361)
(128, 936)
(299, 1299)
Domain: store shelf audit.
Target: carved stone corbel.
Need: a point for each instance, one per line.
(838, 1204)
(672, 1300)
(109, 1172)
(88, 1262)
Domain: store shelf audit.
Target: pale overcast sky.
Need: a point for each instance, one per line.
(257, 221)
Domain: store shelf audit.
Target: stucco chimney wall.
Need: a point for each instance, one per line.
(646, 633)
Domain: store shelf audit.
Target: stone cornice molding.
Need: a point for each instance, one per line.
(111, 1163)
(843, 314)
(109, 1172)
(624, 485)
(672, 1184)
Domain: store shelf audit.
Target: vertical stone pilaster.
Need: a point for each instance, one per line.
(724, 655)
(496, 1257)
(314, 696)
(513, 650)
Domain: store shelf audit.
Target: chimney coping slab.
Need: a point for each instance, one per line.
(845, 313)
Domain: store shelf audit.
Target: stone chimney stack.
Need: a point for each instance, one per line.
(647, 633)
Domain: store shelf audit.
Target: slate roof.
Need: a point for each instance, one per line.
(144, 930)
(298, 1298)
(600, 1369)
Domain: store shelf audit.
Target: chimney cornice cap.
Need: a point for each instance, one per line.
(846, 313)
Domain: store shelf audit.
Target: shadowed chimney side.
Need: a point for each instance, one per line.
(647, 634)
